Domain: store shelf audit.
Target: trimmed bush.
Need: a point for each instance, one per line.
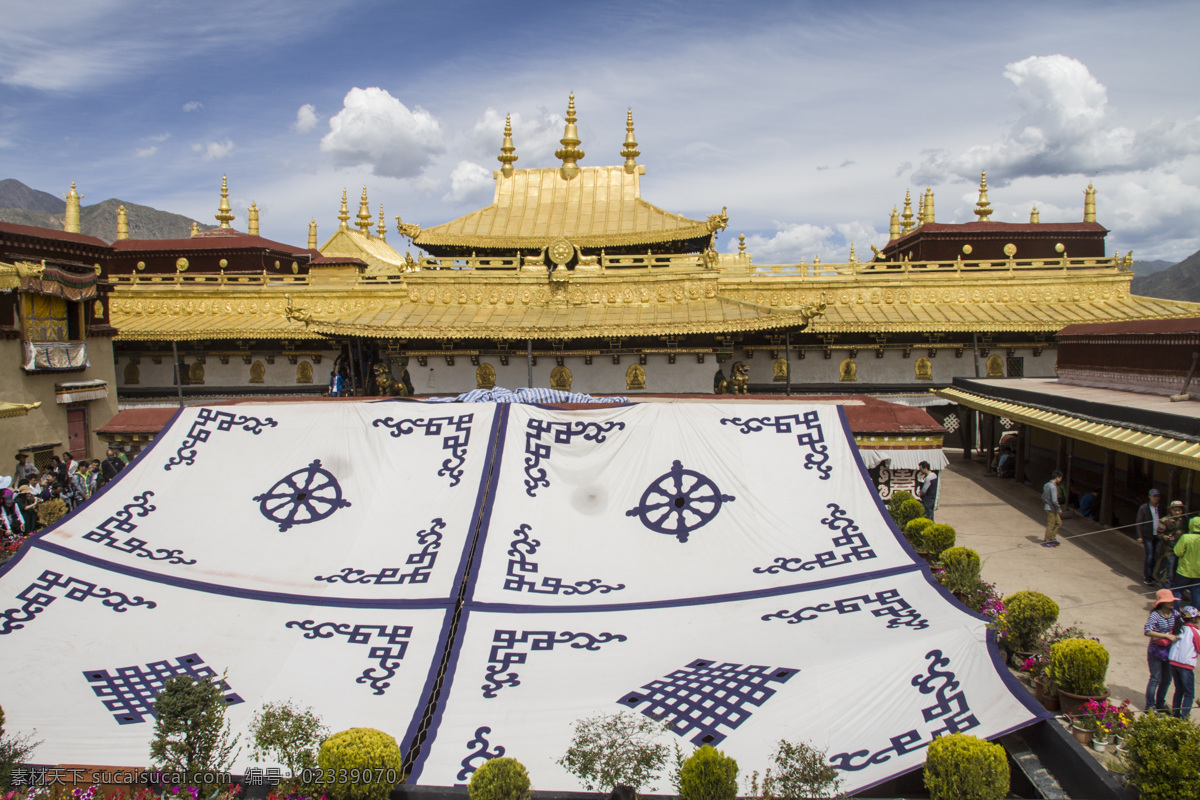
(937, 539)
(962, 767)
(1163, 753)
(499, 779)
(708, 774)
(962, 559)
(1079, 666)
(1027, 616)
(913, 531)
(907, 511)
(893, 504)
(369, 752)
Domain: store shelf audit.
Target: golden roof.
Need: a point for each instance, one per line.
(16, 409)
(598, 207)
(379, 255)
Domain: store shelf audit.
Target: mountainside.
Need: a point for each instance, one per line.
(99, 220)
(1180, 282)
(1143, 268)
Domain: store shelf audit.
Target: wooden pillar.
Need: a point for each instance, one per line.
(1060, 458)
(1106, 487)
(1172, 483)
(989, 429)
(1067, 471)
(1022, 447)
(1187, 491)
(966, 417)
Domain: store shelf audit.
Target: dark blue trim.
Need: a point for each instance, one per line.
(414, 775)
(1014, 686)
(949, 597)
(492, 473)
(435, 664)
(549, 407)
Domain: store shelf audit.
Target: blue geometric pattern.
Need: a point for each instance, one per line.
(198, 434)
(519, 565)
(703, 698)
(120, 523)
(537, 450)
(505, 654)
(391, 643)
(37, 595)
(131, 692)
(455, 440)
(813, 438)
(478, 748)
(679, 501)
(306, 495)
(421, 563)
(890, 603)
(852, 538)
(951, 710)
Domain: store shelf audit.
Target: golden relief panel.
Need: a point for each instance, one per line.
(257, 372)
(635, 377)
(560, 379)
(485, 376)
(847, 370)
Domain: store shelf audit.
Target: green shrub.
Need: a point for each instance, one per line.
(937, 539)
(616, 749)
(893, 504)
(801, 771)
(1163, 753)
(499, 779)
(14, 750)
(708, 774)
(287, 735)
(907, 511)
(373, 753)
(962, 767)
(191, 733)
(1028, 615)
(1079, 666)
(913, 532)
(961, 570)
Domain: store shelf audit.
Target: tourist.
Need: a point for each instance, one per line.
(79, 485)
(1089, 505)
(1182, 656)
(94, 477)
(12, 521)
(927, 489)
(1187, 568)
(336, 384)
(1174, 526)
(1052, 508)
(27, 501)
(111, 466)
(25, 470)
(1149, 526)
(1159, 629)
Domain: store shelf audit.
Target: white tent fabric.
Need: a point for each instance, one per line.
(729, 566)
(904, 459)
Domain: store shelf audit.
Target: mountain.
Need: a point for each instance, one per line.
(1180, 282)
(32, 207)
(1143, 268)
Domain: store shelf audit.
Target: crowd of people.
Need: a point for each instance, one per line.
(29, 489)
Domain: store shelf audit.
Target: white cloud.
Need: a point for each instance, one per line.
(469, 180)
(1152, 214)
(145, 152)
(375, 129)
(162, 137)
(212, 151)
(192, 105)
(535, 137)
(306, 118)
(1065, 128)
(797, 241)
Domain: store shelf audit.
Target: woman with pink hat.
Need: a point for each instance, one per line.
(1160, 629)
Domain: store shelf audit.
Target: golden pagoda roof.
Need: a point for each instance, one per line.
(598, 207)
(377, 253)
(8, 410)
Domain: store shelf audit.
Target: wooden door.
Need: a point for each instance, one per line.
(77, 432)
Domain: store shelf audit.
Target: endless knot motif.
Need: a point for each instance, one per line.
(951, 710)
(679, 501)
(306, 495)
(519, 565)
(505, 655)
(478, 748)
(456, 438)
(703, 698)
(421, 562)
(950, 423)
(890, 603)
(39, 594)
(388, 658)
(813, 438)
(857, 548)
(131, 692)
(536, 450)
(198, 434)
(120, 523)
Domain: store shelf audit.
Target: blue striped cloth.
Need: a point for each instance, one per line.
(501, 395)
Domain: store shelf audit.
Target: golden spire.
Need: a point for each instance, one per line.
(853, 257)
(312, 234)
(508, 153)
(364, 215)
(1034, 217)
(195, 228)
(381, 228)
(569, 152)
(928, 205)
(71, 218)
(122, 223)
(983, 209)
(907, 216)
(344, 214)
(894, 226)
(920, 211)
(252, 219)
(630, 150)
(741, 244)
(1089, 204)
(224, 213)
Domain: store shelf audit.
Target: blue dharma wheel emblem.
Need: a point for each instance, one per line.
(306, 495)
(679, 502)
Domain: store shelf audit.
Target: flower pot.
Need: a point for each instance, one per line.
(1041, 685)
(1100, 745)
(1082, 735)
(1071, 703)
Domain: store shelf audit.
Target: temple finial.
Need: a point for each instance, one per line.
(630, 150)
(920, 211)
(71, 217)
(364, 215)
(344, 214)
(1089, 204)
(853, 255)
(1034, 217)
(224, 213)
(894, 226)
(195, 228)
(741, 244)
(983, 209)
(508, 152)
(122, 223)
(312, 234)
(569, 153)
(252, 219)
(381, 228)
(928, 205)
(907, 216)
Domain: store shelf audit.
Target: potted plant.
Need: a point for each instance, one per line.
(1084, 727)
(1079, 667)
(1028, 615)
(1116, 719)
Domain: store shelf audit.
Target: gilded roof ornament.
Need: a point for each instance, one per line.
(381, 228)
(741, 244)
(71, 218)
(569, 153)
(252, 219)
(224, 213)
(853, 257)
(894, 225)
(1089, 204)
(508, 152)
(717, 222)
(195, 228)
(1034, 217)
(407, 229)
(365, 220)
(907, 216)
(928, 206)
(630, 151)
(123, 223)
(312, 234)
(983, 209)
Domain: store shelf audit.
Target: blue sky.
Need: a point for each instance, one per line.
(808, 120)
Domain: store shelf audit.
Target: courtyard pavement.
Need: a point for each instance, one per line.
(1095, 579)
